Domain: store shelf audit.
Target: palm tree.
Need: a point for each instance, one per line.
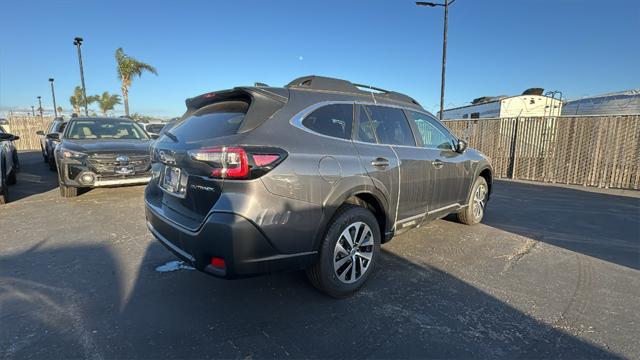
(128, 68)
(107, 102)
(77, 100)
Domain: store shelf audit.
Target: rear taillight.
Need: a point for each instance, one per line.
(234, 162)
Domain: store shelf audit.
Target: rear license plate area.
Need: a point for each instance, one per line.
(171, 181)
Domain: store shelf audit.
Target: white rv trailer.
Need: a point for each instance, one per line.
(618, 103)
(508, 106)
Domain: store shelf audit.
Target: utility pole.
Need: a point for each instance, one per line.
(444, 46)
(53, 96)
(40, 105)
(78, 42)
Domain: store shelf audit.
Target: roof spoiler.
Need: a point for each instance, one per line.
(264, 103)
(235, 93)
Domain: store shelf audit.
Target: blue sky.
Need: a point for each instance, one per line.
(495, 47)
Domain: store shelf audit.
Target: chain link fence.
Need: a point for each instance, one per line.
(598, 151)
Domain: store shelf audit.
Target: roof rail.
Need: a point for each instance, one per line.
(332, 84)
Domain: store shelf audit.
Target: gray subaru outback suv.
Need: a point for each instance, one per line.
(314, 175)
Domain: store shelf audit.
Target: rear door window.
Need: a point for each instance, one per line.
(390, 125)
(211, 121)
(332, 120)
(364, 131)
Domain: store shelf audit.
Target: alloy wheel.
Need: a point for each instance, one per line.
(479, 201)
(353, 252)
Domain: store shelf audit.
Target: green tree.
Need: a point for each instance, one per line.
(77, 100)
(107, 102)
(128, 68)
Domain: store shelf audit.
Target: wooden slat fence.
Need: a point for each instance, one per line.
(26, 127)
(598, 151)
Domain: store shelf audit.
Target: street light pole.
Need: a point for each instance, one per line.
(40, 105)
(78, 42)
(444, 46)
(33, 111)
(53, 96)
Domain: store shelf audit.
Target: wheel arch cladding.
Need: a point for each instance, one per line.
(488, 176)
(370, 202)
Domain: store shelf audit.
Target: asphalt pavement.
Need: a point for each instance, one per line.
(551, 273)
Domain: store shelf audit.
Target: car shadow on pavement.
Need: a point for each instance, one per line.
(79, 301)
(594, 224)
(34, 177)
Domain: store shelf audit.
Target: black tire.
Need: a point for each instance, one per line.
(16, 160)
(4, 194)
(68, 191)
(52, 163)
(12, 179)
(322, 274)
(469, 215)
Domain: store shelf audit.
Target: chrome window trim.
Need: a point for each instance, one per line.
(297, 119)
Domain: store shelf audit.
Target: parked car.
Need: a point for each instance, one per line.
(95, 152)
(153, 129)
(48, 144)
(315, 176)
(9, 163)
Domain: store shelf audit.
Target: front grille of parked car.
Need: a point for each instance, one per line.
(106, 163)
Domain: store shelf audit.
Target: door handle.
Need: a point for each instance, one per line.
(438, 164)
(380, 162)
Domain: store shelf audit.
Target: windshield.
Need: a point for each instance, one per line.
(101, 129)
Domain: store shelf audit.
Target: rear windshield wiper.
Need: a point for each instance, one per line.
(171, 136)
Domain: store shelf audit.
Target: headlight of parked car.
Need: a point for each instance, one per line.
(70, 154)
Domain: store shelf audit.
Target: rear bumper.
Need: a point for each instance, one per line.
(244, 248)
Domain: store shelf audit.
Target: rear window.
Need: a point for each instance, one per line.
(331, 120)
(211, 121)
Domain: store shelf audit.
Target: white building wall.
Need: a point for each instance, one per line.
(514, 106)
(529, 106)
(486, 110)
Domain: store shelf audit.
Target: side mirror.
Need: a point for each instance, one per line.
(16, 137)
(53, 136)
(40, 133)
(461, 146)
